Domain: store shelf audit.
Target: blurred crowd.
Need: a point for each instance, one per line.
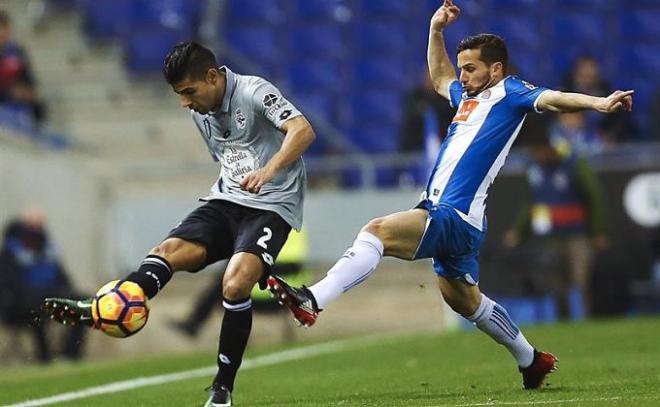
(31, 270)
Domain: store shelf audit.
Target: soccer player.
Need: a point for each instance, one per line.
(258, 137)
(449, 224)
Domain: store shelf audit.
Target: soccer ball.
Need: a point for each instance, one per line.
(120, 308)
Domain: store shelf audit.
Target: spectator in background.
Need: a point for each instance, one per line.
(565, 213)
(586, 77)
(573, 128)
(17, 84)
(29, 271)
(427, 115)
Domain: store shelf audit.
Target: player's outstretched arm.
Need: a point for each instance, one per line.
(440, 67)
(563, 102)
(299, 135)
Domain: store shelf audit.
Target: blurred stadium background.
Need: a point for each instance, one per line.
(118, 163)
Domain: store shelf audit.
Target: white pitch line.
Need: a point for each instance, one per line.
(266, 360)
(535, 402)
(563, 401)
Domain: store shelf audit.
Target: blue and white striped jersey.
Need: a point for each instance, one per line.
(477, 143)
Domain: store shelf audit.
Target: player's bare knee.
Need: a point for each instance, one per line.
(375, 227)
(236, 285)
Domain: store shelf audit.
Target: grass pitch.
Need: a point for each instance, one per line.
(603, 363)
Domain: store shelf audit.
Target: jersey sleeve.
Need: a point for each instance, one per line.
(268, 102)
(523, 94)
(455, 93)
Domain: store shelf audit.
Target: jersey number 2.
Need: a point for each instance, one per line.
(262, 242)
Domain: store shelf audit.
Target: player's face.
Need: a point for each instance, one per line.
(202, 96)
(476, 76)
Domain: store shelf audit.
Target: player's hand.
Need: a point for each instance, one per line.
(445, 15)
(256, 179)
(617, 101)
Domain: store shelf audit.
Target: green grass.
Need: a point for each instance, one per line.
(604, 363)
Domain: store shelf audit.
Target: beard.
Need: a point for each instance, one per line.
(487, 83)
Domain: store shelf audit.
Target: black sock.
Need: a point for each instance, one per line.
(153, 274)
(236, 327)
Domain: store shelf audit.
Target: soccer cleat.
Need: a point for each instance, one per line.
(300, 301)
(219, 396)
(69, 312)
(534, 374)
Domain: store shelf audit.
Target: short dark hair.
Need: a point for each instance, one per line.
(4, 18)
(188, 60)
(493, 48)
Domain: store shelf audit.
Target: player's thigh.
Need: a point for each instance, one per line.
(459, 295)
(400, 232)
(181, 254)
(203, 237)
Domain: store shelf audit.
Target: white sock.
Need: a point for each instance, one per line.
(359, 261)
(493, 319)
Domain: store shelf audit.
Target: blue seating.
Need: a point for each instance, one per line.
(641, 26)
(317, 104)
(376, 106)
(563, 58)
(586, 5)
(255, 11)
(316, 74)
(146, 48)
(384, 8)
(63, 4)
(460, 30)
(256, 43)
(517, 30)
(377, 37)
(528, 66)
(379, 72)
(631, 4)
(174, 14)
(513, 5)
(582, 27)
(639, 61)
(324, 40)
(376, 138)
(323, 10)
(106, 20)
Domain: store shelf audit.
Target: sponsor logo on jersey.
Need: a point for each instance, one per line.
(285, 114)
(465, 110)
(239, 117)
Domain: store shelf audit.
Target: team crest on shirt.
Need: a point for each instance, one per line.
(269, 100)
(239, 117)
(528, 85)
(485, 94)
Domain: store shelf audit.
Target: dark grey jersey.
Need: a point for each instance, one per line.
(243, 135)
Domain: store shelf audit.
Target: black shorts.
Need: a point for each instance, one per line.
(225, 228)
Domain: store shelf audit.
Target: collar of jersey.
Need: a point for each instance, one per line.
(229, 90)
(477, 96)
